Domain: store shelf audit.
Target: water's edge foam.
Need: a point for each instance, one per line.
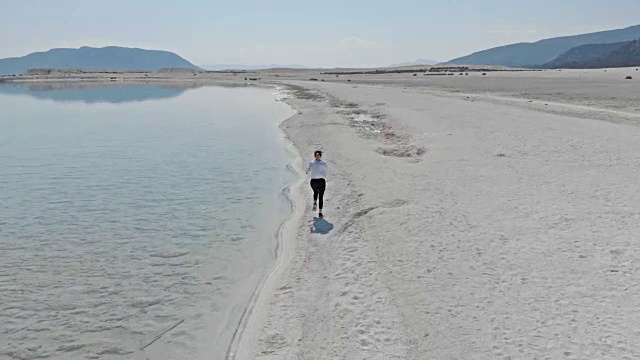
(249, 327)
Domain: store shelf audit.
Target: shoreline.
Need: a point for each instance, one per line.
(246, 335)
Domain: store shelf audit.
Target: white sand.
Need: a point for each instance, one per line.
(513, 237)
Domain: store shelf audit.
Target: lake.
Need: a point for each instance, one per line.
(136, 220)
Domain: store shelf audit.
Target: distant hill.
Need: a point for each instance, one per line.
(574, 58)
(417, 62)
(599, 56)
(544, 51)
(250, 67)
(110, 57)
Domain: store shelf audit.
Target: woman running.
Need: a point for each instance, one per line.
(318, 170)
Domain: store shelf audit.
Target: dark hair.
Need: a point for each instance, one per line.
(318, 152)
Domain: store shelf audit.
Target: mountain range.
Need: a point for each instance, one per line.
(585, 56)
(612, 48)
(110, 57)
(544, 51)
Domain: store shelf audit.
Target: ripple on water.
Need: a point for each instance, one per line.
(169, 253)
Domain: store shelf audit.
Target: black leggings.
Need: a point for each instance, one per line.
(318, 186)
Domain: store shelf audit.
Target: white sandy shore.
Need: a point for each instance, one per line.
(513, 236)
(474, 217)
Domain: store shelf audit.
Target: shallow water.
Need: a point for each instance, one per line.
(129, 210)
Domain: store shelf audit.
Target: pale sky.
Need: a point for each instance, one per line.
(314, 33)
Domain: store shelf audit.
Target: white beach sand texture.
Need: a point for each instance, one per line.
(462, 229)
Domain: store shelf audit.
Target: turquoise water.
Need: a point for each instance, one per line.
(131, 210)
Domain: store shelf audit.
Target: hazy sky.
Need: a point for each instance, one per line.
(314, 33)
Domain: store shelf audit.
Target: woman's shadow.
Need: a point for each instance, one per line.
(321, 226)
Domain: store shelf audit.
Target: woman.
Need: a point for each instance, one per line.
(318, 170)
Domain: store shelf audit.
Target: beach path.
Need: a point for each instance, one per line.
(461, 228)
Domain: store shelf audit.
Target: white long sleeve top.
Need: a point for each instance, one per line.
(318, 169)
